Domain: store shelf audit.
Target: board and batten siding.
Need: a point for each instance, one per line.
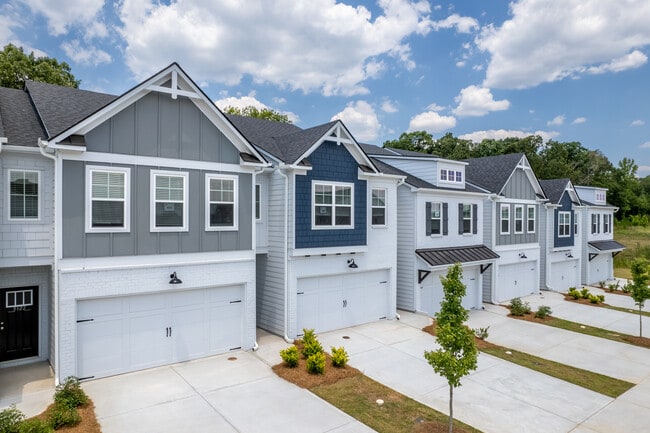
(547, 226)
(140, 240)
(488, 230)
(158, 126)
(406, 274)
(518, 188)
(271, 276)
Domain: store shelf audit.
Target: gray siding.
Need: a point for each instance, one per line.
(159, 126)
(516, 238)
(271, 276)
(406, 248)
(487, 284)
(519, 187)
(488, 228)
(27, 238)
(140, 240)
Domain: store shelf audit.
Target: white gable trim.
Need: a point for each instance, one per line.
(181, 85)
(525, 166)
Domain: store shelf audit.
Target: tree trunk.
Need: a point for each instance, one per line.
(451, 409)
(640, 322)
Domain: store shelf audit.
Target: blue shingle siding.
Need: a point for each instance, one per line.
(567, 206)
(333, 163)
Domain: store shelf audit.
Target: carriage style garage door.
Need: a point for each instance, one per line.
(600, 268)
(432, 294)
(564, 275)
(121, 334)
(515, 280)
(334, 302)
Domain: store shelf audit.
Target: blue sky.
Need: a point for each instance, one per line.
(569, 70)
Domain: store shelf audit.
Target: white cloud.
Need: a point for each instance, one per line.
(360, 118)
(61, 15)
(435, 107)
(460, 64)
(85, 56)
(645, 145)
(462, 24)
(546, 41)
(312, 46)
(388, 106)
(499, 134)
(643, 169)
(637, 122)
(557, 120)
(431, 122)
(579, 120)
(478, 101)
(250, 100)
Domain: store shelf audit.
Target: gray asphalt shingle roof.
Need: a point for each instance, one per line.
(554, 188)
(371, 149)
(19, 122)
(492, 172)
(451, 255)
(49, 99)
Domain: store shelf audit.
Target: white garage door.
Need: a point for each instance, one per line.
(564, 275)
(116, 335)
(601, 268)
(334, 302)
(516, 280)
(432, 293)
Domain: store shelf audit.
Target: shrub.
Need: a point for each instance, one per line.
(601, 298)
(70, 394)
(34, 425)
(543, 311)
(290, 356)
(602, 284)
(627, 288)
(308, 336)
(613, 287)
(481, 333)
(61, 415)
(10, 418)
(339, 357)
(312, 348)
(584, 293)
(519, 307)
(594, 299)
(574, 293)
(316, 363)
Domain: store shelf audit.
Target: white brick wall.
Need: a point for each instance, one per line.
(97, 283)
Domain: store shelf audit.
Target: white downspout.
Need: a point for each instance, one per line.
(254, 233)
(55, 262)
(286, 254)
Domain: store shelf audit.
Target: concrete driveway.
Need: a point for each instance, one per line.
(216, 394)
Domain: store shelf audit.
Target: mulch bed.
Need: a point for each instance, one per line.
(88, 424)
(301, 377)
(480, 344)
(584, 301)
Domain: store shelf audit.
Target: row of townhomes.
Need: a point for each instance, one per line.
(150, 228)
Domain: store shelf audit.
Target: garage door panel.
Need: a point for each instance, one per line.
(103, 350)
(432, 292)
(516, 280)
(564, 275)
(148, 303)
(99, 307)
(225, 294)
(148, 344)
(189, 335)
(226, 332)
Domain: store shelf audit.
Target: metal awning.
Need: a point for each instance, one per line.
(451, 255)
(606, 246)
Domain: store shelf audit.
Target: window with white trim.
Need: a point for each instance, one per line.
(258, 198)
(595, 223)
(530, 219)
(443, 174)
(505, 219)
(221, 202)
(378, 207)
(108, 201)
(564, 224)
(332, 204)
(575, 226)
(169, 198)
(24, 194)
(459, 176)
(451, 175)
(436, 218)
(467, 218)
(607, 223)
(519, 218)
(19, 299)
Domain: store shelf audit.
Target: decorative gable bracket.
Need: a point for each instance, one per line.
(174, 90)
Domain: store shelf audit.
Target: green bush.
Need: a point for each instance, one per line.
(339, 357)
(61, 415)
(594, 299)
(601, 298)
(70, 394)
(613, 287)
(584, 293)
(481, 333)
(309, 336)
(602, 284)
(543, 311)
(312, 348)
(10, 419)
(34, 425)
(519, 307)
(290, 356)
(574, 293)
(316, 363)
(627, 288)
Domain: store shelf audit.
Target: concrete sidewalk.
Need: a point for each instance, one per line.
(30, 387)
(231, 393)
(499, 397)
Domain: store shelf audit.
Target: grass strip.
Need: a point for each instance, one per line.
(357, 396)
(597, 332)
(599, 383)
(608, 306)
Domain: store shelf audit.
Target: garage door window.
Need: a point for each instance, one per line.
(107, 200)
(332, 204)
(169, 201)
(221, 202)
(564, 224)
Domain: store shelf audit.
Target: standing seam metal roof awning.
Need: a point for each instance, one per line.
(602, 246)
(451, 255)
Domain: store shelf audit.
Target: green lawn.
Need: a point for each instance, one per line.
(637, 241)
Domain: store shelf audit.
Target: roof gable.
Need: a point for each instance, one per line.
(18, 121)
(494, 172)
(554, 189)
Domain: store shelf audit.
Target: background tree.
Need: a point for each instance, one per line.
(417, 141)
(640, 291)
(264, 113)
(625, 188)
(457, 355)
(16, 67)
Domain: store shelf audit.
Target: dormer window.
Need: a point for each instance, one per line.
(451, 176)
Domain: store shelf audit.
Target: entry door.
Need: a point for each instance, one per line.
(18, 323)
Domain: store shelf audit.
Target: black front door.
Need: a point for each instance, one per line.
(18, 323)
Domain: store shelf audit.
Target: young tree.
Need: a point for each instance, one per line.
(264, 113)
(640, 291)
(457, 355)
(16, 67)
